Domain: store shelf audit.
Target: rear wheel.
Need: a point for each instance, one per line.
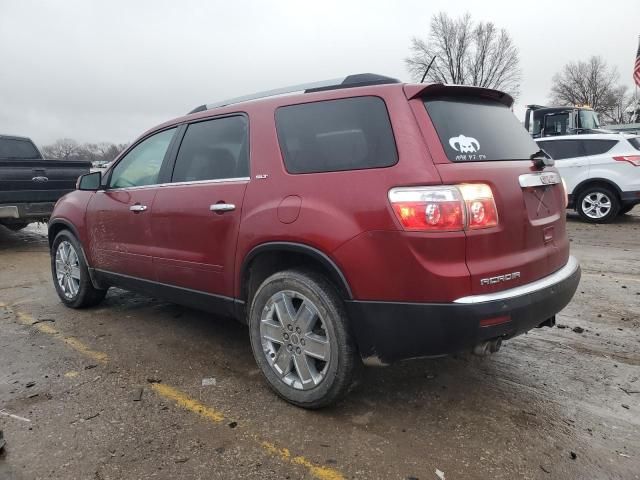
(300, 338)
(598, 204)
(70, 273)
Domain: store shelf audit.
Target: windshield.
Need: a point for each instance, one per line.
(17, 149)
(478, 129)
(589, 119)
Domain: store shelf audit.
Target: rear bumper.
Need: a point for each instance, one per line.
(19, 211)
(630, 198)
(391, 331)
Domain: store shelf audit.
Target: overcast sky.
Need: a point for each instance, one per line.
(108, 70)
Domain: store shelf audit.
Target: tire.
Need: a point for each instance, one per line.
(317, 323)
(626, 209)
(74, 286)
(598, 204)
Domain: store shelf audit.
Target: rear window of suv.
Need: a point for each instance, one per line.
(335, 135)
(476, 129)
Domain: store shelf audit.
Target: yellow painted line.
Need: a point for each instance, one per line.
(318, 471)
(187, 403)
(182, 399)
(26, 319)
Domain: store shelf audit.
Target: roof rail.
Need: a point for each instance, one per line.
(350, 81)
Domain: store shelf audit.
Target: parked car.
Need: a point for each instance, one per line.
(600, 170)
(29, 184)
(360, 219)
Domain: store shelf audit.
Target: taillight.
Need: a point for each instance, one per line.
(444, 208)
(481, 208)
(428, 208)
(632, 159)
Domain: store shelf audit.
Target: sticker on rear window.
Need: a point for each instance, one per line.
(467, 146)
(464, 144)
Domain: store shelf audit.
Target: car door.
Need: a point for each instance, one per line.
(197, 216)
(571, 159)
(119, 217)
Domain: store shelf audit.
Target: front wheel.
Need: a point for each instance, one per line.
(300, 338)
(70, 273)
(598, 204)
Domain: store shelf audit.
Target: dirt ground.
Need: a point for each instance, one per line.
(116, 392)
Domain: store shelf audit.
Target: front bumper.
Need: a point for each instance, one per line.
(389, 331)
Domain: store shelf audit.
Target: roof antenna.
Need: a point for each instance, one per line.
(428, 68)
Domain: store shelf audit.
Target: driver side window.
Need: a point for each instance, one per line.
(141, 166)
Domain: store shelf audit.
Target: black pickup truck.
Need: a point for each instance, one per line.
(31, 185)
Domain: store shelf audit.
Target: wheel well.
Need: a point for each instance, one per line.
(595, 183)
(265, 263)
(55, 229)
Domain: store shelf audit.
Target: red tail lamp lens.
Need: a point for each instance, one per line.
(481, 207)
(428, 208)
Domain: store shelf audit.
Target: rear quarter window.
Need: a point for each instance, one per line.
(635, 142)
(473, 130)
(598, 147)
(561, 149)
(336, 135)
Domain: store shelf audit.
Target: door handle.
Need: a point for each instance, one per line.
(222, 207)
(138, 208)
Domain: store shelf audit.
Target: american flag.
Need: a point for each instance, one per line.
(636, 68)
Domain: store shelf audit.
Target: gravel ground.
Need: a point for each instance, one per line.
(117, 391)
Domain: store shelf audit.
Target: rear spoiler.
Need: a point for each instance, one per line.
(413, 90)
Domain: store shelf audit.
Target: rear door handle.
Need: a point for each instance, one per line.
(222, 207)
(138, 208)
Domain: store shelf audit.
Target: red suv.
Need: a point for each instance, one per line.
(354, 220)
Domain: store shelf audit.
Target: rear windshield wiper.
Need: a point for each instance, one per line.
(541, 159)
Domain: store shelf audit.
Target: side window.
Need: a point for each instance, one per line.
(212, 150)
(334, 135)
(560, 149)
(141, 166)
(598, 147)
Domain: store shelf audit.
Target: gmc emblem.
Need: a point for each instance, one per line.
(507, 277)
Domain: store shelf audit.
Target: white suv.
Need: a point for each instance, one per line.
(601, 172)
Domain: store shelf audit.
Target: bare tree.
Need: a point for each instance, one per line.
(69, 149)
(590, 83)
(467, 53)
(617, 105)
(61, 149)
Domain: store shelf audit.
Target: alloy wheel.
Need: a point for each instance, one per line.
(295, 340)
(67, 266)
(596, 205)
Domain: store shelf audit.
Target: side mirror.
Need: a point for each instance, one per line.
(89, 181)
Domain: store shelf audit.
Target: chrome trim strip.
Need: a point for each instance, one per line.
(171, 184)
(538, 179)
(556, 277)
